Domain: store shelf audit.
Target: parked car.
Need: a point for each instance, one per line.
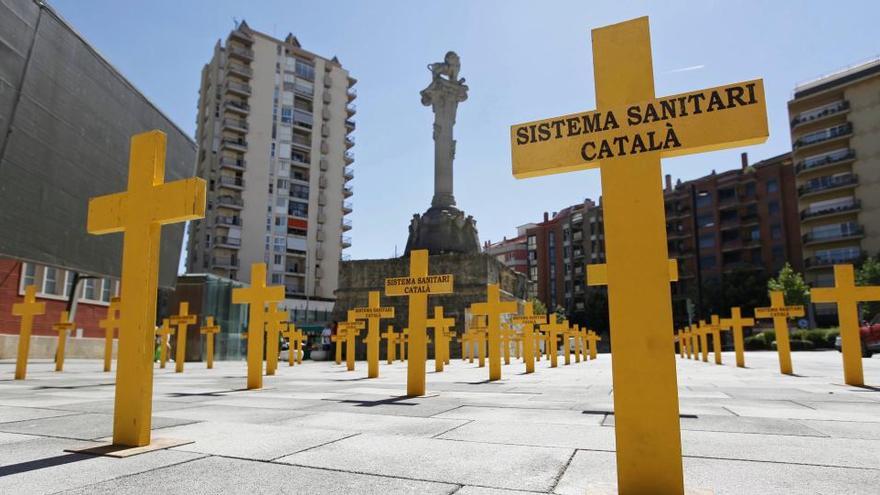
(870, 336)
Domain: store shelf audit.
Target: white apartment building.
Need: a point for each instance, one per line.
(274, 125)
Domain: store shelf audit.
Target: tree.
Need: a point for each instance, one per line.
(869, 274)
(596, 312)
(538, 307)
(792, 285)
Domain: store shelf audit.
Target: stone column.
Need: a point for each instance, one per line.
(443, 96)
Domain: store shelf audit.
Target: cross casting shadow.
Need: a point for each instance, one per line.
(611, 413)
(394, 401)
(866, 388)
(48, 462)
(73, 387)
(220, 393)
(351, 379)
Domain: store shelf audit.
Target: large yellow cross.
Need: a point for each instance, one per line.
(552, 329)
(493, 308)
(390, 343)
(182, 320)
(26, 310)
(848, 296)
(416, 287)
(257, 296)
(208, 331)
(626, 138)
(780, 314)
(110, 324)
(140, 213)
(592, 338)
(736, 323)
(352, 328)
(373, 313)
(441, 328)
(714, 327)
(276, 320)
(62, 327)
(527, 322)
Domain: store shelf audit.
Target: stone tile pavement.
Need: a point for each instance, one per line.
(316, 428)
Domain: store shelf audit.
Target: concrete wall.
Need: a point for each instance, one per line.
(43, 347)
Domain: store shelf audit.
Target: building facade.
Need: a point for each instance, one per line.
(274, 125)
(512, 252)
(836, 150)
(728, 224)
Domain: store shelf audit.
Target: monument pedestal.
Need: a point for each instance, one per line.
(443, 229)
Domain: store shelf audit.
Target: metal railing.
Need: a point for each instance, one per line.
(851, 206)
(833, 182)
(825, 160)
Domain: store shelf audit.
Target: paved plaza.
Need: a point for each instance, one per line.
(316, 428)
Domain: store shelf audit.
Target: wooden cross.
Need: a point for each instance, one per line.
(416, 287)
(62, 327)
(847, 297)
(257, 296)
(276, 320)
(182, 320)
(441, 328)
(390, 343)
(626, 138)
(110, 324)
(552, 330)
(714, 327)
(736, 323)
(351, 329)
(493, 308)
(373, 313)
(780, 314)
(164, 332)
(140, 213)
(26, 310)
(208, 331)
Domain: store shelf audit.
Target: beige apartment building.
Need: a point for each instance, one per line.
(835, 133)
(274, 125)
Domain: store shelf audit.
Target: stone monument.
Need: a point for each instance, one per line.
(444, 228)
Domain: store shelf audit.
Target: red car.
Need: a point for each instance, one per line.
(870, 336)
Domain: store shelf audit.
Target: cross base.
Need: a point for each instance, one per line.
(123, 451)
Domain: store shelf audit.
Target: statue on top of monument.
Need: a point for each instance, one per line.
(449, 67)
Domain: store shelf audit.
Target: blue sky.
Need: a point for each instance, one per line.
(522, 60)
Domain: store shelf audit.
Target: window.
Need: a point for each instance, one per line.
(50, 280)
(287, 115)
(106, 285)
(533, 242)
(778, 253)
(706, 220)
(305, 70)
(707, 241)
(533, 273)
(773, 207)
(302, 119)
(755, 234)
(704, 198)
(278, 259)
(298, 209)
(772, 186)
(708, 262)
(89, 291)
(29, 274)
(750, 190)
(776, 232)
(299, 191)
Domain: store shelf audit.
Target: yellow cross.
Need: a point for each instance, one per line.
(276, 318)
(592, 338)
(373, 313)
(416, 287)
(552, 330)
(26, 310)
(703, 332)
(714, 327)
(441, 328)
(62, 327)
(694, 334)
(848, 296)
(257, 296)
(208, 331)
(351, 329)
(736, 323)
(479, 329)
(294, 342)
(182, 320)
(140, 213)
(110, 324)
(390, 343)
(681, 343)
(626, 138)
(164, 333)
(506, 336)
(338, 339)
(780, 314)
(527, 322)
(493, 308)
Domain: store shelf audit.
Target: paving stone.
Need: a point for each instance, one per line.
(520, 415)
(9, 414)
(393, 406)
(514, 467)
(541, 435)
(84, 426)
(741, 424)
(845, 429)
(223, 413)
(375, 423)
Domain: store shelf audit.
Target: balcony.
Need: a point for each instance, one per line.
(237, 107)
(824, 136)
(349, 141)
(238, 125)
(346, 225)
(347, 192)
(234, 144)
(232, 163)
(230, 202)
(237, 88)
(227, 220)
(239, 70)
(292, 290)
(350, 110)
(236, 183)
(346, 241)
(819, 113)
(241, 53)
(832, 184)
(825, 161)
(241, 35)
(349, 125)
(351, 94)
(347, 207)
(856, 232)
(348, 174)
(227, 262)
(827, 211)
(817, 262)
(349, 157)
(227, 242)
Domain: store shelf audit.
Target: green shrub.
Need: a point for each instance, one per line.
(760, 341)
(822, 338)
(797, 345)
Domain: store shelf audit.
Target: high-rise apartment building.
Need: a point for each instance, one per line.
(274, 124)
(512, 252)
(836, 149)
